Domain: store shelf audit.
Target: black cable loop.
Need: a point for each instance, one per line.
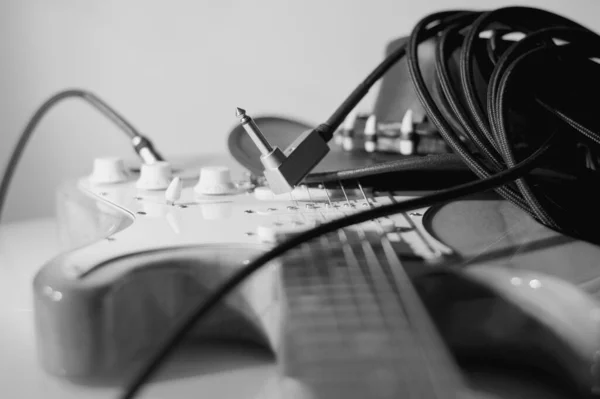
(433, 112)
(527, 47)
(85, 95)
(453, 100)
(501, 80)
(524, 16)
(500, 135)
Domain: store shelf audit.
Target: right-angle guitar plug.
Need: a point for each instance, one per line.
(283, 170)
(271, 155)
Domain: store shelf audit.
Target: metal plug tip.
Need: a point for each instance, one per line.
(240, 112)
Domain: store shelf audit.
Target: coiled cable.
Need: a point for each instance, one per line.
(507, 145)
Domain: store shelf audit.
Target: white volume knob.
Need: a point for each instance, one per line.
(215, 180)
(155, 176)
(108, 171)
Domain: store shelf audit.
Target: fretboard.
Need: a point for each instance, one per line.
(354, 326)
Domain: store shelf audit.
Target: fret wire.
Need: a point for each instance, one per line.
(387, 269)
(395, 260)
(351, 279)
(303, 271)
(383, 236)
(367, 277)
(327, 287)
(364, 271)
(346, 367)
(304, 289)
(371, 258)
(437, 358)
(325, 291)
(436, 354)
(354, 318)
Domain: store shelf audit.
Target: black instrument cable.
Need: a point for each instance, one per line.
(141, 144)
(530, 113)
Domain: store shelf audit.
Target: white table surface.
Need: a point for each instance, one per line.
(210, 372)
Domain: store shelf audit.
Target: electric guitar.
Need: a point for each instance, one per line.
(400, 307)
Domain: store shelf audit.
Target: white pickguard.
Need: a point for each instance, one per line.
(256, 219)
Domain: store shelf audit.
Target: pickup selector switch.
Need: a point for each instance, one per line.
(215, 180)
(155, 176)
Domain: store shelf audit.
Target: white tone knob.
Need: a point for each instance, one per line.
(370, 146)
(155, 176)
(371, 126)
(108, 171)
(338, 138)
(407, 147)
(407, 126)
(173, 192)
(215, 180)
(348, 143)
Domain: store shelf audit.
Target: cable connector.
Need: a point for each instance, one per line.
(283, 170)
(145, 150)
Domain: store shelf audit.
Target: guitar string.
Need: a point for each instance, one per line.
(394, 262)
(413, 225)
(348, 287)
(435, 351)
(304, 288)
(406, 328)
(370, 302)
(351, 278)
(343, 362)
(344, 368)
(383, 236)
(370, 257)
(325, 288)
(348, 204)
(327, 246)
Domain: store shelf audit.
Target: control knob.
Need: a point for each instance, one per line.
(108, 171)
(155, 176)
(215, 180)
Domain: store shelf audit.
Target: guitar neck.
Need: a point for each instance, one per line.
(354, 325)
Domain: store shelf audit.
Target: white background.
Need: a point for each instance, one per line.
(178, 68)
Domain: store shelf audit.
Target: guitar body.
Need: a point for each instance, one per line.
(340, 313)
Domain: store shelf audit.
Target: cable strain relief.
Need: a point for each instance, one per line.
(325, 131)
(143, 146)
